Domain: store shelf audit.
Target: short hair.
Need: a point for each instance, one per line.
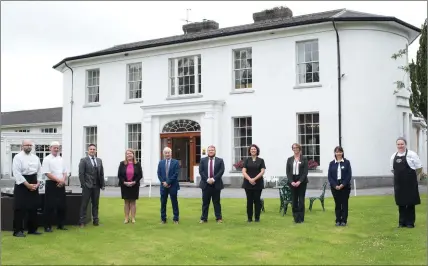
(255, 146)
(167, 149)
(54, 143)
(403, 139)
(211, 146)
(339, 148)
(126, 159)
(90, 145)
(297, 145)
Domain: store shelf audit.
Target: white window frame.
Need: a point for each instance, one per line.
(238, 157)
(88, 87)
(49, 130)
(173, 78)
(305, 144)
(85, 136)
(129, 143)
(302, 64)
(235, 69)
(129, 82)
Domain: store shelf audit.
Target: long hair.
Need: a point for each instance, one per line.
(126, 159)
(255, 146)
(339, 148)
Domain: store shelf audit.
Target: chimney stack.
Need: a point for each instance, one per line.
(203, 26)
(281, 12)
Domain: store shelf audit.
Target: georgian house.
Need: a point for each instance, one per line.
(319, 79)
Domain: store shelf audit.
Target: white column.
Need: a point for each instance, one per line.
(207, 130)
(155, 149)
(7, 164)
(409, 130)
(147, 139)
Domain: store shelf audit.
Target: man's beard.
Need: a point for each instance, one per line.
(27, 151)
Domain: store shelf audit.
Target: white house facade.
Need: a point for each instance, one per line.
(272, 83)
(42, 126)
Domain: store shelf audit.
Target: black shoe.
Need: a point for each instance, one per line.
(48, 230)
(257, 220)
(410, 226)
(163, 222)
(249, 221)
(401, 225)
(35, 233)
(19, 234)
(338, 223)
(96, 223)
(342, 224)
(62, 228)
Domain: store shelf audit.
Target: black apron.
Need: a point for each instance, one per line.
(23, 198)
(54, 196)
(405, 182)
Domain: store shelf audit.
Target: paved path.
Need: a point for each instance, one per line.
(191, 192)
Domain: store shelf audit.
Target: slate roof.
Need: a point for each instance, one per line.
(336, 15)
(35, 116)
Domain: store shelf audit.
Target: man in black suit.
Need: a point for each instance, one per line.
(211, 170)
(91, 176)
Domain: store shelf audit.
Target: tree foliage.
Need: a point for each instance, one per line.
(418, 76)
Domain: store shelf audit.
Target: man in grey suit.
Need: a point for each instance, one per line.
(91, 176)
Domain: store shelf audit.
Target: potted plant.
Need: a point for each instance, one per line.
(239, 165)
(312, 165)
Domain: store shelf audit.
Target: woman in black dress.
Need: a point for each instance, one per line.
(130, 173)
(297, 179)
(406, 166)
(254, 168)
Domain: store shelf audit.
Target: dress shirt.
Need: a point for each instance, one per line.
(339, 169)
(54, 165)
(412, 159)
(94, 161)
(26, 164)
(208, 172)
(296, 164)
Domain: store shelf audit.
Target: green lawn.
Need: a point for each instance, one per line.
(371, 237)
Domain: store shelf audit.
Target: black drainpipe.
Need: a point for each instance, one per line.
(339, 83)
(71, 122)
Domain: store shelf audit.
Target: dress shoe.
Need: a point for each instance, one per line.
(202, 221)
(342, 224)
(401, 225)
(410, 226)
(48, 230)
(219, 221)
(257, 220)
(249, 221)
(19, 234)
(34, 233)
(176, 222)
(163, 222)
(96, 223)
(62, 228)
(338, 224)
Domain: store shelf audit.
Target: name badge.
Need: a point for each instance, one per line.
(299, 162)
(399, 160)
(343, 167)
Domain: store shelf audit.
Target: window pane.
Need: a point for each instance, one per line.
(300, 53)
(316, 77)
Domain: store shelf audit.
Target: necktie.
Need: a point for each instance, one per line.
(211, 168)
(167, 167)
(93, 160)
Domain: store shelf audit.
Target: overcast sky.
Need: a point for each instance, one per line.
(37, 35)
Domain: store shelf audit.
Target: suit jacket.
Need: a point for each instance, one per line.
(346, 173)
(138, 173)
(218, 173)
(88, 174)
(172, 178)
(303, 169)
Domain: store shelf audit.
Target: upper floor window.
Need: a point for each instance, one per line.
(308, 62)
(134, 81)
(23, 130)
(309, 135)
(93, 86)
(243, 73)
(49, 130)
(185, 75)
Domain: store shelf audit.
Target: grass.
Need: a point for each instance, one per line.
(372, 237)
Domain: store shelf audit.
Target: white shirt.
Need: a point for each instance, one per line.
(296, 167)
(412, 159)
(208, 167)
(54, 165)
(339, 169)
(94, 161)
(26, 164)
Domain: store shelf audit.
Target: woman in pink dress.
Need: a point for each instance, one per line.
(130, 173)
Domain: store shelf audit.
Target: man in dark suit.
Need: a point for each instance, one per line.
(211, 170)
(91, 176)
(168, 170)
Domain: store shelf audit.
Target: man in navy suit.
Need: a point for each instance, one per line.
(168, 170)
(211, 170)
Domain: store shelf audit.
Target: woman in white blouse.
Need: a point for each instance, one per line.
(406, 166)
